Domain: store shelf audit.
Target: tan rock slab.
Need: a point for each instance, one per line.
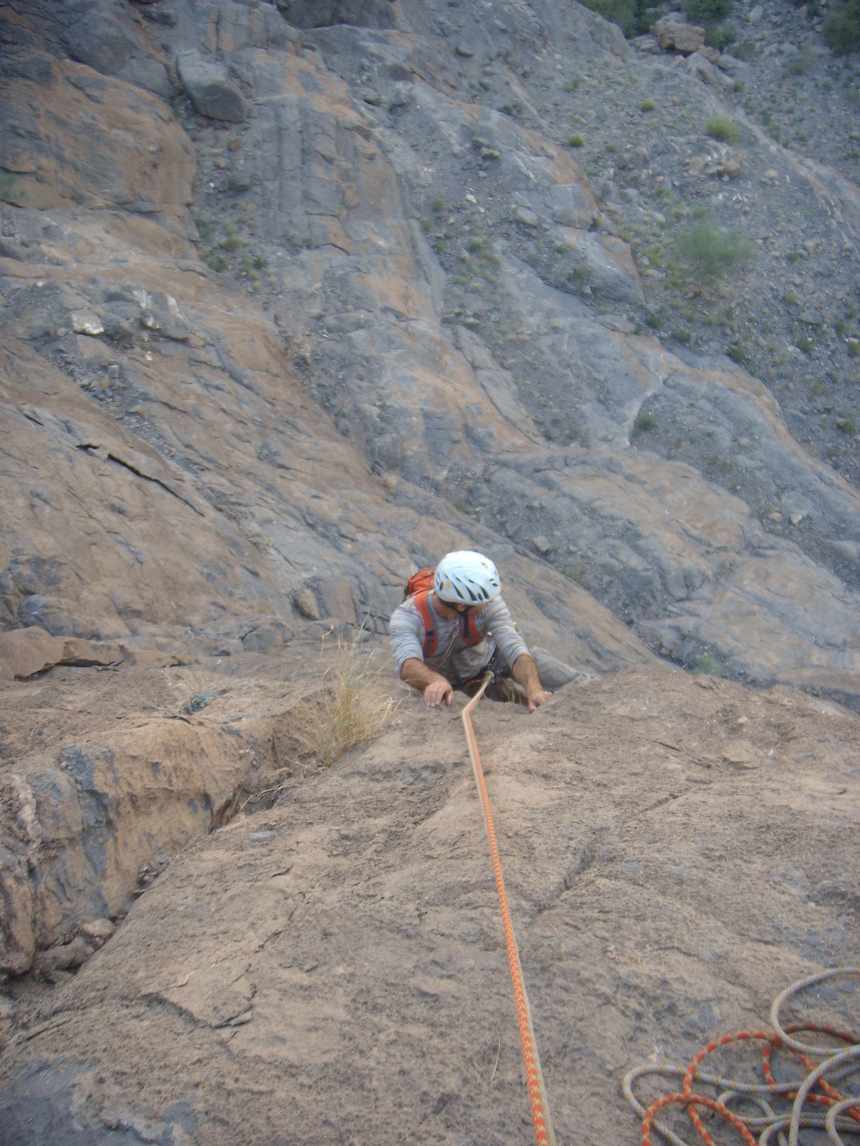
(673, 35)
(26, 652)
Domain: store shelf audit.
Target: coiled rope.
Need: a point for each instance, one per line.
(843, 1113)
(534, 1077)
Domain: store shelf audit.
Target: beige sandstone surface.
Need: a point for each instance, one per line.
(333, 969)
(208, 476)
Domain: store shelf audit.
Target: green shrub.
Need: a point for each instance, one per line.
(707, 664)
(259, 262)
(575, 572)
(846, 425)
(853, 348)
(842, 28)
(737, 354)
(631, 16)
(426, 224)
(722, 128)
(437, 205)
(231, 243)
(648, 105)
(576, 141)
(683, 336)
(644, 422)
(746, 50)
(654, 321)
(720, 36)
(708, 11)
(805, 344)
(8, 189)
(216, 263)
(712, 253)
(571, 85)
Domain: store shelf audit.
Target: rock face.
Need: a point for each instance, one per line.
(209, 89)
(320, 13)
(340, 958)
(287, 314)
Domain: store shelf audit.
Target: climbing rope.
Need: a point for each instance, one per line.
(843, 1113)
(534, 1077)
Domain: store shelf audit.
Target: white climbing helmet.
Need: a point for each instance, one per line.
(465, 577)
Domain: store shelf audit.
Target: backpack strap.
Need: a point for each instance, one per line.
(421, 603)
(468, 630)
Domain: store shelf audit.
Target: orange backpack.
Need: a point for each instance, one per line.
(419, 587)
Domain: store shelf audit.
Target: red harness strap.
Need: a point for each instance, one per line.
(468, 631)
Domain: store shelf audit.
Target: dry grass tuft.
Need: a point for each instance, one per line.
(351, 709)
(196, 690)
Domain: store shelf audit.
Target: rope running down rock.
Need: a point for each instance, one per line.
(534, 1076)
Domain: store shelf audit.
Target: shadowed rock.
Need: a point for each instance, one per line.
(209, 89)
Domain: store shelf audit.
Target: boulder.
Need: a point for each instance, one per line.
(672, 35)
(209, 89)
(26, 652)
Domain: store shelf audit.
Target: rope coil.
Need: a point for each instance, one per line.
(842, 1114)
(534, 1076)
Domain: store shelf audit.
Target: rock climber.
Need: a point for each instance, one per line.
(448, 634)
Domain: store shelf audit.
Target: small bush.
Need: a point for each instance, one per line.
(842, 28)
(853, 348)
(259, 262)
(712, 253)
(720, 36)
(737, 354)
(846, 425)
(576, 571)
(683, 336)
(746, 51)
(571, 85)
(805, 344)
(644, 422)
(708, 11)
(576, 141)
(426, 225)
(707, 664)
(630, 15)
(654, 321)
(721, 128)
(231, 243)
(216, 263)
(438, 205)
(648, 105)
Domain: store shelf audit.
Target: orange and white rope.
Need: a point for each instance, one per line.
(534, 1076)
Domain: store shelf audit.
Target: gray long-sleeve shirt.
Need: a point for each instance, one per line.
(493, 623)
